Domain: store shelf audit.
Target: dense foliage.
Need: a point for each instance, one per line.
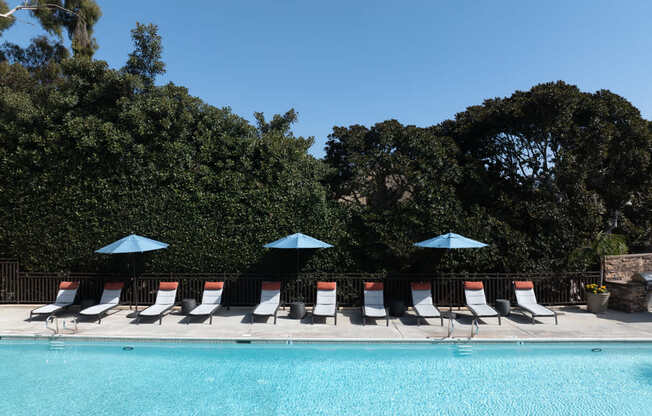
(90, 154)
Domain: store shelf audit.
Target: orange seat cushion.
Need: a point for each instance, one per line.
(168, 285)
(113, 285)
(420, 285)
(326, 285)
(473, 285)
(373, 286)
(524, 285)
(271, 285)
(213, 285)
(68, 285)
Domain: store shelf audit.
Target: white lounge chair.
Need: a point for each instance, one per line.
(422, 302)
(477, 303)
(211, 301)
(326, 304)
(270, 300)
(165, 298)
(526, 301)
(374, 303)
(110, 299)
(65, 297)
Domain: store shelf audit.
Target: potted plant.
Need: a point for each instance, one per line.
(597, 298)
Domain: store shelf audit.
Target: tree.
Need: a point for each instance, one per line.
(397, 183)
(36, 56)
(77, 17)
(145, 61)
(554, 163)
(281, 124)
(88, 158)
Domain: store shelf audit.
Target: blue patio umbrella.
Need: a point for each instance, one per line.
(297, 242)
(450, 241)
(132, 244)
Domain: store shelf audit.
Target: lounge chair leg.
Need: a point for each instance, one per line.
(441, 318)
(499, 320)
(556, 323)
(387, 320)
(335, 318)
(312, 319)
(274, 319)
(210, 320)
(418, 322)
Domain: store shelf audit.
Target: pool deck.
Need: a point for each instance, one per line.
(575, 323)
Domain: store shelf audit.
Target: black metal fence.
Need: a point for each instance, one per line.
(244, 289)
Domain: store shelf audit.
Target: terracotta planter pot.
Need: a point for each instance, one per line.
(597, 302)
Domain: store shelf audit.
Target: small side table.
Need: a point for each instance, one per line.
(86, 303)
(397, 308)
(503, 307)
(297, 310)
(187, 305)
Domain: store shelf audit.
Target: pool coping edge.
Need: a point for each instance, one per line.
(253, 340)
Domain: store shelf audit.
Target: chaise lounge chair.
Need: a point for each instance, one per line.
(167, 293)
(65, 297)
(110, 299)
(526, 301)
(270, 300)
(374, 303)
(211, 301)
(326, 304)
(477, 303)
(422, 301)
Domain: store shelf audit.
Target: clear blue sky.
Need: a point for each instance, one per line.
(347, 62)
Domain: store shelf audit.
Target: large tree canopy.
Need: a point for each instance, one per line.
(554, 163)
(548, 177)
(90, 156)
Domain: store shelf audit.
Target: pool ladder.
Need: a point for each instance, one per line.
(52, 323)
(464, 350)
(56, 345)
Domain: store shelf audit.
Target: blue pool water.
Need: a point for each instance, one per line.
(324, 379)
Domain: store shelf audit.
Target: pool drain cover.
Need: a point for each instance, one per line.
(128, 348)
(596, 349)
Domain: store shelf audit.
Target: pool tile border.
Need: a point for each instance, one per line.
(251, 340)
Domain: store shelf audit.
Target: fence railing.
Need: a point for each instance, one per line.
(243, 289)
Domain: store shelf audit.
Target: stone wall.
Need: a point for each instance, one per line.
(628, 297)
(620, 269)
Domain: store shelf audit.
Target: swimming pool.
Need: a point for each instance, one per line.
(104, 378)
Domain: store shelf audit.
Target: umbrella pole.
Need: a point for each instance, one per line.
(134, 297)
(136, 283)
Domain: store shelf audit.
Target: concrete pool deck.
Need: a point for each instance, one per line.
(575, 323)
